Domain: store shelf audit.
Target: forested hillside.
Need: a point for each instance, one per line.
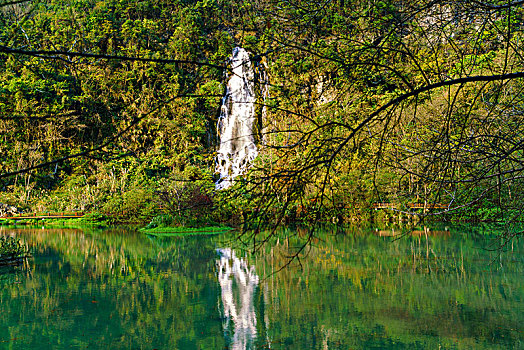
(112, 107)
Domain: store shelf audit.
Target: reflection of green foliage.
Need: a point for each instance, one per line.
(114, 289)
(11, 250)
(121, 289)
(360, 290)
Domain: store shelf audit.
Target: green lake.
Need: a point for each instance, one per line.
(447, 288)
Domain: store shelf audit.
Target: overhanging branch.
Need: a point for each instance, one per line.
(102, 145)
(53, 54)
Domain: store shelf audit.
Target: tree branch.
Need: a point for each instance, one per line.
(102, 145)
(50, 53)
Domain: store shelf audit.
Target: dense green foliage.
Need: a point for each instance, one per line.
(55, 108)
(355, 113)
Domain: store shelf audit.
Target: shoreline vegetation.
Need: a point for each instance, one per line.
(162, 225)
(173, 221)
(87, 219)
(166, 225)
(167, 231)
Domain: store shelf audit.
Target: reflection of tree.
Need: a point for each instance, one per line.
(355, 290)
(360, 290)
(112, 289)
(238, 282)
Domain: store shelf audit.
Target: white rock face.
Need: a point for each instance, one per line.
(235, 125)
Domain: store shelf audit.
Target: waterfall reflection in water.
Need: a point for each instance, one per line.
(238, 283)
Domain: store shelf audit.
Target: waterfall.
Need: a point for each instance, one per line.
(238, 284)
(237, 117)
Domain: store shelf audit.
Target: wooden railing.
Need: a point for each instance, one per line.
(385, 205)
(427, 206)
(411, 206)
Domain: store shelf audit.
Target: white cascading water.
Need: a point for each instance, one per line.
(235, 125)
(238, 284)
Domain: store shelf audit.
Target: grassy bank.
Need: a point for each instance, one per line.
(185, 231)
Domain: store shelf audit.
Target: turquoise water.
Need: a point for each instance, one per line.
(354, 289)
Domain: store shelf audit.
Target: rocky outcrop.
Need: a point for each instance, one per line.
(8, 210)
